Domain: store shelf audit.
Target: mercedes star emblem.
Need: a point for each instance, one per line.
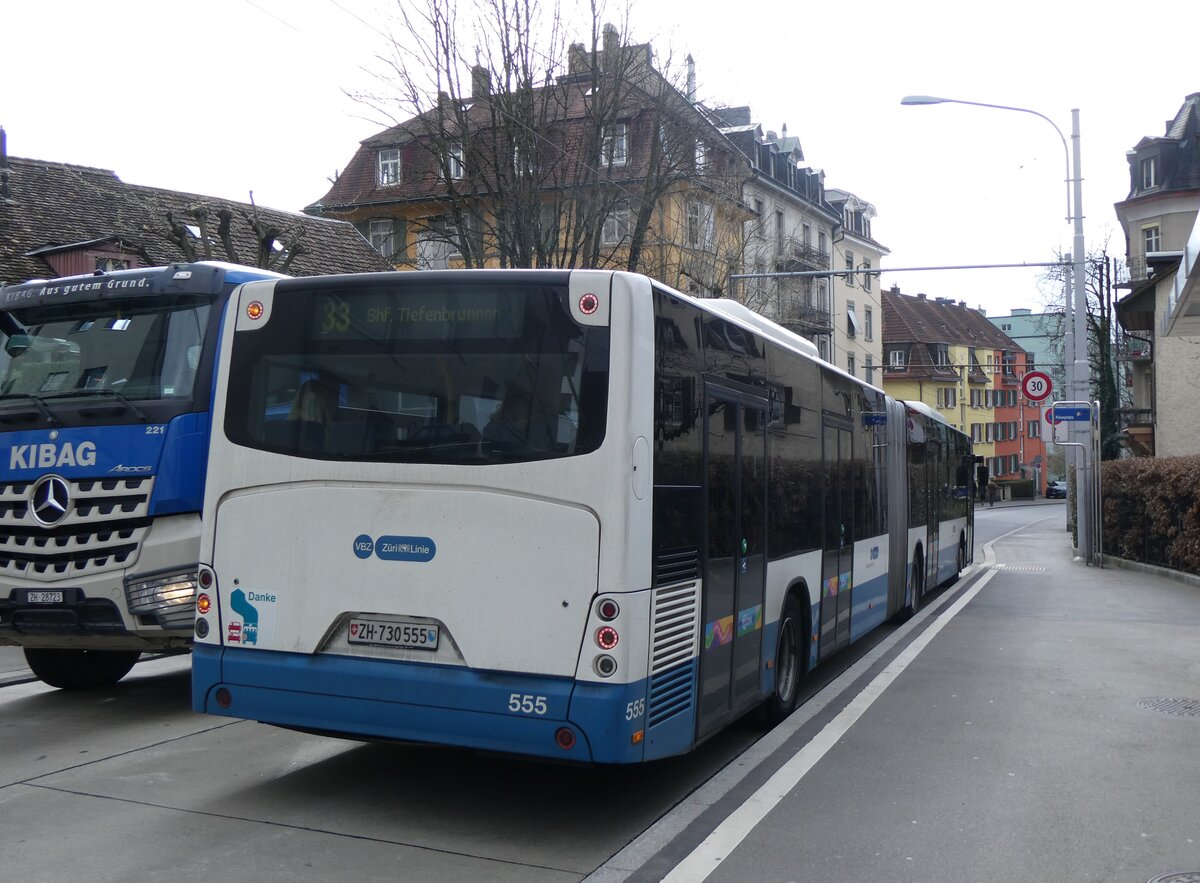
(50, 500)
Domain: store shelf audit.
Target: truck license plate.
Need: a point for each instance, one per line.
(33, 597)
(389, 633)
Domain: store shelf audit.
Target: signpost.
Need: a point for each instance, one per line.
(1036, 386)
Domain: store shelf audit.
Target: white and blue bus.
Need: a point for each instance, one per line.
(573, 514)
(105, 386)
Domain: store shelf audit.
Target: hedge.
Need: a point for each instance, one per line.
(1151, 510)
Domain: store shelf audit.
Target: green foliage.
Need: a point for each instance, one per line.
(1151, 511)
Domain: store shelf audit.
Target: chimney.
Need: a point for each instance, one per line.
(612, 41)
(576, 59)
(920, 295)
(963, 304)
(785, 131)
(691, 79)
(481, 82)
(895, 288)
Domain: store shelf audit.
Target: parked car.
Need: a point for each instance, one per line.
(1056, 490)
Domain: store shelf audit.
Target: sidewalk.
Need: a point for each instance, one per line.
(1038, 721)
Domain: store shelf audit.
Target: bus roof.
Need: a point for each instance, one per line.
(926, 411)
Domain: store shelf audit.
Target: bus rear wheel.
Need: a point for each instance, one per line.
(80, 669)
(918, 584)
(789, 664)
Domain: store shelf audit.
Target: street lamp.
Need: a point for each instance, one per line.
(1077, 369)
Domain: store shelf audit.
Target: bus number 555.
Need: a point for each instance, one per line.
(526, 703)
(634, 710)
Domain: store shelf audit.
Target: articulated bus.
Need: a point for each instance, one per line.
(573, 514)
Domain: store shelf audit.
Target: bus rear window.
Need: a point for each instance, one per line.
(405, 369)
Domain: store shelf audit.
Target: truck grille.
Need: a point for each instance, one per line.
(103, 529)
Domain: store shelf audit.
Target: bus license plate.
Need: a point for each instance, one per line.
(34, 597)
(410, 635)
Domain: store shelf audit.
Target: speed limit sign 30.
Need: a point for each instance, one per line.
(1036, 386)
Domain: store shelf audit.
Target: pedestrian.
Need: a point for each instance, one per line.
(992, 493)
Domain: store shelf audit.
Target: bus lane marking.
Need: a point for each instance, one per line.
(721, 843)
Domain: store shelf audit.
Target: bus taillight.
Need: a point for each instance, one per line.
(608, 610)
(607, 637)
(605, 666)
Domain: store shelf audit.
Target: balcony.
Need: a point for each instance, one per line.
(1136, 351)
(806, 320)
(1137, 430)
(794, 256)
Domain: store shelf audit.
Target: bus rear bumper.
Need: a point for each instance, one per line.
(353, 697)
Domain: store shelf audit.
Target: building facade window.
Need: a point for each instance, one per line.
(870, 366)
(868, 323)
(454, 161)
(850, 266)
(897, 358)
(382, 237)
(1152, 238)
(700, 225)
(822, 245)
(866, 277)
(388, 166)
(850, 364)
(1149, 172)
(616, 225)
(702, 157)
(614, 148)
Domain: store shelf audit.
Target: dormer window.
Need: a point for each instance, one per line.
(388, 166)
(454, 161)
(1149, 172)
(614, 149)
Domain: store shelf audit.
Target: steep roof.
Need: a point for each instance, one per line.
(1180, 149)
(52, 205)
(916, 319)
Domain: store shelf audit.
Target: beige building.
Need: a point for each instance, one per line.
(857, 340)
(1160, 316)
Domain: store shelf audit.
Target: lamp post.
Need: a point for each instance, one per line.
(1076, 365)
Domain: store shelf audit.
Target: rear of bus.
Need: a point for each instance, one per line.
(427, 514)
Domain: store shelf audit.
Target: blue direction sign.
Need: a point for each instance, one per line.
(1073, 415)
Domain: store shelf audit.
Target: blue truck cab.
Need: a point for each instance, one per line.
(106, 385)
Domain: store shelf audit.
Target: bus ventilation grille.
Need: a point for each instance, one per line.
(676, 566)
(673, 652)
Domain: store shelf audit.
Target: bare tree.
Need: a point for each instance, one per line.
(1102, 333)
(524, 141)
(192, 233)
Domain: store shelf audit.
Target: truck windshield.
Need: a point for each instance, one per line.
(413, 370)
(127, 349)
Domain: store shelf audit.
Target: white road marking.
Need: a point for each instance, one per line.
(707, 857)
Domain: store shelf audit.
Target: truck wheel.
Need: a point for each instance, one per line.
(80, 669)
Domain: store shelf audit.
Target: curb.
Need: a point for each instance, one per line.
(1189, 579)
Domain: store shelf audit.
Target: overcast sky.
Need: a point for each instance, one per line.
(226, 97)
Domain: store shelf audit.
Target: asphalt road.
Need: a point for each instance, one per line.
(1007, 732)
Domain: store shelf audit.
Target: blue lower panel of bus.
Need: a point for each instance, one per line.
(441, 704)
(869, 606)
